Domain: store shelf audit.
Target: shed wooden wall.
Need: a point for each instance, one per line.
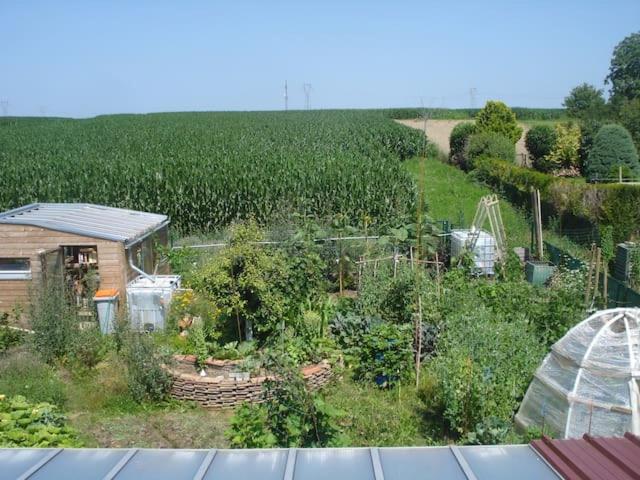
(27, 242)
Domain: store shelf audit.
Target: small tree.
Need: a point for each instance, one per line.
(458, 142)
(496, 117)
(487, 144)
(612, 148)
(540, 140)
(565, 151)
(585, 102)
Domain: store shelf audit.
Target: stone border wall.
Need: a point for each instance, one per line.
(221, 392)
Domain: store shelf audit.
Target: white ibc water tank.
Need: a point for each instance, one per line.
(484, 253)
(148, 300)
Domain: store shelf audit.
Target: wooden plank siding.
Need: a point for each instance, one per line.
(28, 242)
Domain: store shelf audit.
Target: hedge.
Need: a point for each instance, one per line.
(612, 204)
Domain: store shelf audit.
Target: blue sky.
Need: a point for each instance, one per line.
(87, 58)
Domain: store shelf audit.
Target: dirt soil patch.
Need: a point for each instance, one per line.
(439, 131)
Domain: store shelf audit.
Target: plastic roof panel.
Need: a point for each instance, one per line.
(334, 464)
(15, 462)
(246, 464)
(432, 463)
(414, 463)
(162, 465)
(87, 464)
(507, 463)
(95, 221)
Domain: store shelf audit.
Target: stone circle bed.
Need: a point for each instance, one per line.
(220, 388)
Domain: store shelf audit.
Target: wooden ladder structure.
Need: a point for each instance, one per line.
(488, 209)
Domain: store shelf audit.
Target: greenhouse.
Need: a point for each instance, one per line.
(589, 383)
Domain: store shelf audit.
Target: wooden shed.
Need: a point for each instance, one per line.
(90, 246)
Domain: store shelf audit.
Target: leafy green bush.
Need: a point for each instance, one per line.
(458, 141)
(23, 424)
(54, 322)
(386, 354)
(348, 330)
(489, 431)
(612, 148)
(496, 117)
(565, 150)
(488, 144)
(146, 376)
(539, 141)
(9, 337)
(291, 416)
(22, 373)
(249, 428)
(89, 347)
(589, 128)
(483, 367)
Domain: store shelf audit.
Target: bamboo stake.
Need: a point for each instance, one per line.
(596, 290)
(588, 286)
(437, 277)
(419, 340)
(605, 282)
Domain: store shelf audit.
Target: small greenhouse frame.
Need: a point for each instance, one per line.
(590, 381)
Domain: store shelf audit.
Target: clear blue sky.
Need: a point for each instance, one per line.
(84, 58)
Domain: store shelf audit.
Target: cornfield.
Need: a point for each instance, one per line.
(206, 170)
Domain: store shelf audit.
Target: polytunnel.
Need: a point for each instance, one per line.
(589, 382)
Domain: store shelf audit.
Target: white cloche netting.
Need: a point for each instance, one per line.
(590, 382)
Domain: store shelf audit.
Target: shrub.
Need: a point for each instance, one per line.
(89, 347)
(588, 130)
(490, 431)
(496, 117)
(565, 151)
(386, 354)
(33, 425)
(9, 337)
(484, 365)
(612, 148)
(146, 375)
(585, 101)
(540, 141)
(458, 141)
(291, 416)
(488, 144)
(53, 321)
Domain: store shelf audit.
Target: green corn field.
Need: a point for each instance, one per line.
(206, 170)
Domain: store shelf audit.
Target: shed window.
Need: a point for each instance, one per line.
(15, 269)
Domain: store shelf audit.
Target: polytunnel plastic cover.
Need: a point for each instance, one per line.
(589, 381)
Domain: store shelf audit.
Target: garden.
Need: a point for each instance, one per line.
(420, 351)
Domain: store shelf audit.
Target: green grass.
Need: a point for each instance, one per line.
(453, 195)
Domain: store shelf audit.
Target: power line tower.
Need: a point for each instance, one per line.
(4, 104)
(286, 97)
(307, 93)
(473, 91)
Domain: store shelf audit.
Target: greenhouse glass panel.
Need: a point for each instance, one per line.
(334, 464)
(507, 463)
(16, 462)
(88, 464)
(429, 463)
(163, 465)
(247, 464)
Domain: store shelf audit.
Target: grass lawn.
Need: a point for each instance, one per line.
(452, 194)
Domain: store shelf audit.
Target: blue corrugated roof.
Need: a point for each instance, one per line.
(504, 462)
(95, 221)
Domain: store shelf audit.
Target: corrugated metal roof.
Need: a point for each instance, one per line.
(94, 221)
(596, 458)
(442, 463)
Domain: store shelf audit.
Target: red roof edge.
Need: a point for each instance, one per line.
(592, 458)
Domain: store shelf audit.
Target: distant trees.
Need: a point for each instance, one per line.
(624, 71)
(585, 101)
